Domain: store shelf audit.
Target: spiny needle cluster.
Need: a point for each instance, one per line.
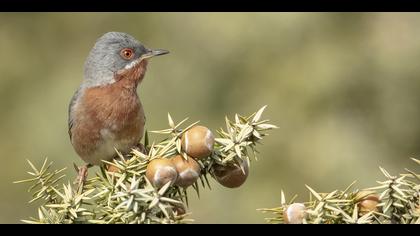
(150, 186)
(396, 200)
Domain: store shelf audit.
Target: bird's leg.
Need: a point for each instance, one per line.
(82, 173)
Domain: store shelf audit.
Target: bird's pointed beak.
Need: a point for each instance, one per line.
(154, 52)
(150, 53)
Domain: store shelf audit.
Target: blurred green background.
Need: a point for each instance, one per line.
(344, 88)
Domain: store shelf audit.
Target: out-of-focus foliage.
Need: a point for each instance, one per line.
(342, 87)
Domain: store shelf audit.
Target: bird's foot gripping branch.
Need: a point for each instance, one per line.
(149, 185)
(396, 200)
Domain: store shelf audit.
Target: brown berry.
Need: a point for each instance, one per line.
(231, 176)
(367, 201)
(188, 170)
(198, 142)
(161, 171)
(179, 210)
(294, 213)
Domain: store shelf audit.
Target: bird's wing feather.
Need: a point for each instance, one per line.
(71, 111)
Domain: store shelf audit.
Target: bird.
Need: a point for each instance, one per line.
(105, 113)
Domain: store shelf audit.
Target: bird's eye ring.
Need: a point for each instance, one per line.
(127, 53)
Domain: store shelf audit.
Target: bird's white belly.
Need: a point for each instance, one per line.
(105, 150)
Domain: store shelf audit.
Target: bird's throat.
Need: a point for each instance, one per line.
(131, 77)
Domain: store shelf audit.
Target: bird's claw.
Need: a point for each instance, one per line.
(141, 148)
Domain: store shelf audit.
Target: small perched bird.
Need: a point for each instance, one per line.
(105, 113)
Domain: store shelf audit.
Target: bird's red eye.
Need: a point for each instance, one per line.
(127, 53)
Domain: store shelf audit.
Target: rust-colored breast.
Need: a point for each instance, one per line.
(107, 117)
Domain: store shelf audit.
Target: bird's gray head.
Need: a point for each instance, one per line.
(114, 52)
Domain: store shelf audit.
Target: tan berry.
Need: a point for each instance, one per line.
(231, 176)
(161, 171)
(188, 170)
(112, 168)
(198, 142)
(294, 213)
(367, 201)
